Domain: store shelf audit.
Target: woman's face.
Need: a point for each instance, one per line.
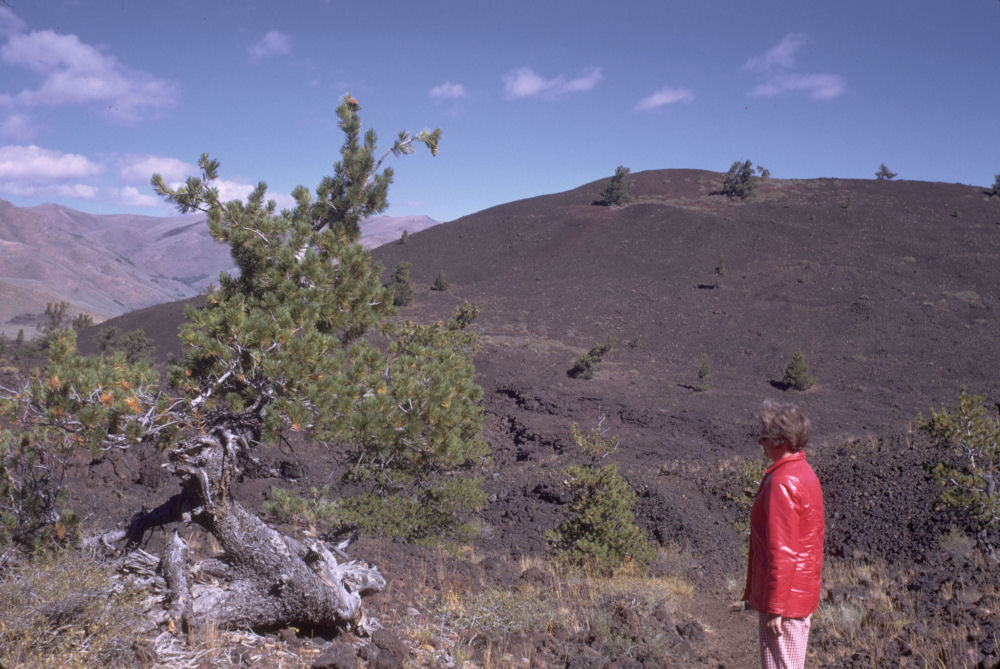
(774, 450)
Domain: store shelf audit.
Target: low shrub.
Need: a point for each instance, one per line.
(797, 375)
(586, 364)
(971, 476)
(601, 532)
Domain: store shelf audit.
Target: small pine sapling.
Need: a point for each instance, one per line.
(797, 375)
(996, 186)
(704, 374)
(402, 289)
(440, 282)
(971, 476)
(601, 533)
(585, 365)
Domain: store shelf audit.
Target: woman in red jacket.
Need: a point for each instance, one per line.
(786, 539)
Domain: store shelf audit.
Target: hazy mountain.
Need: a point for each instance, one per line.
(106, 265)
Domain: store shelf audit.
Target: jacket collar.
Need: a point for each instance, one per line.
(794, 457)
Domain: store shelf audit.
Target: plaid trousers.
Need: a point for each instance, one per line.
(787, 651)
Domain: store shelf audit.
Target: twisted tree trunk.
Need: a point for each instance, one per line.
(263, 579)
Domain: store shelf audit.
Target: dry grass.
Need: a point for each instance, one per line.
(879, 614)
(70, 609)
(67, 609)
(495, 628)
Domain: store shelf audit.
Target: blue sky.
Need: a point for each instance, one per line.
(533, 97)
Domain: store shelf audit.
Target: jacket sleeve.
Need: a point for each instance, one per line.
(780, 542)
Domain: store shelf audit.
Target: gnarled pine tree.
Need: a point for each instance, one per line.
(300, 339)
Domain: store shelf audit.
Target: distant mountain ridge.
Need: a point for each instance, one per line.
(107, 265)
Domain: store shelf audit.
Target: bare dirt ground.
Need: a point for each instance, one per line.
(889, 289)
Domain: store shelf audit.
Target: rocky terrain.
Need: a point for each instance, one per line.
(889, 291)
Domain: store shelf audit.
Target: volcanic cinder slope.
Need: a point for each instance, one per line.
(889, 289)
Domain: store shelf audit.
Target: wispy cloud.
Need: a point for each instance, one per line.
(780, 56)
(74, 73)
(10, 24)
(273, 43)
(130, 196)
(31, 171)
(447, 91)
(138, 168)
(780, 73)
(665, 96)
(818, 86)
(525, 83)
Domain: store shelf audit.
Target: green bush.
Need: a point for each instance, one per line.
(136, 344)
(584, 366)
(437, 515)
(616, 192)
(971, 479)
(996, 186)
(601, 532)
(440, 282)
(797, 375)
(704, 374)
(740, 180)
(884, 174)
(402, 289)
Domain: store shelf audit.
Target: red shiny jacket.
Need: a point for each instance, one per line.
(786, 540)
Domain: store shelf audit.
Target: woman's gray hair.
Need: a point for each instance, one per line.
(784, 423)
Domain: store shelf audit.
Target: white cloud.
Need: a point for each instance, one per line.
(33, 162)
(138, 168)
(74, 73)
(664, 96)
(10, 24)
(524, 83)
(31, 171)
(781, 55)
(778, 69)
(130, 196)
(273, 43)
(447, 91)
(819, 86)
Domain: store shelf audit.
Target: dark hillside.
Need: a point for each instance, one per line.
(889, 289)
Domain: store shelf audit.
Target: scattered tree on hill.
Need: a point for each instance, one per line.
(704, 374)
(584, 366)
(404, 236)
(616, 192)
(55, 318)
(135, 344)
(797, 375)
(82, 320)
(440, 282)
(601, 532)
(763, 172)
(884, 174)
(740, 180)
(399, 284)
(720, 270)
(302, 339)
(996, 187)
(972, 479)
